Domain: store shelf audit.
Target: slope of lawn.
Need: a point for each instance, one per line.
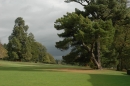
(37, 74)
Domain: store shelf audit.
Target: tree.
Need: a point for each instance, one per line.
(23, 46)
(110, 9)
(3, 51)
(38, 51)
(81, 33)
(52, 60)
(103, 15)
(122, 43)
(18, 46)
(46, 59)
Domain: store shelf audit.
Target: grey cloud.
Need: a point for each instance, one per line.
(39, 15)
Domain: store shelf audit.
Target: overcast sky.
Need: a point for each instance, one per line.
(39, 15)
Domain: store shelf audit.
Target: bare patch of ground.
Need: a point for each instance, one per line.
(79, 71)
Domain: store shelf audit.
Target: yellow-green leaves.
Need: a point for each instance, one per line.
(3, 51)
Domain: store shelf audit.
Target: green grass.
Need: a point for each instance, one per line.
(37, 74)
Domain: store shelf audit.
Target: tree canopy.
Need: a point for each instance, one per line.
(23, 46)
(92, 33)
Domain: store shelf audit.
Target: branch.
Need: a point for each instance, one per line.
(78, 1)
(86, 47)
(92, 46)
(81, 2)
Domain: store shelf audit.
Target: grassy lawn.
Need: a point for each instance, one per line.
(37, 74)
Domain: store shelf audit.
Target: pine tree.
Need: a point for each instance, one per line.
(103, 16)
(83, 34)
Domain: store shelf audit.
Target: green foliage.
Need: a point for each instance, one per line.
(23, 46)
(79, 30)
(14, 55)
(101, 29)
(46, 59)
(3, 52)
(109, 58)
(49, 58)
(52, 60)
(18, 43)
(38, 51)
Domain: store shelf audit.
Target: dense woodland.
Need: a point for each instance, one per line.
(22, 46)
(98, 36)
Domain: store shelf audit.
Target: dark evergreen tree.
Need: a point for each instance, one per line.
(103, 15)
(81, 34)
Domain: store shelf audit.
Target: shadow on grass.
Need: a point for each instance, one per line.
(95, 79)
(24, 68)
(109, 80)
(37, 68)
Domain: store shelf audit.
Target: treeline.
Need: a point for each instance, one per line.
(22, 46)
(99, 36)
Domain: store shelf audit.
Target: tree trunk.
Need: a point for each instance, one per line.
(95, 61)
(97, 52)
(120, 65)
(92, 55)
